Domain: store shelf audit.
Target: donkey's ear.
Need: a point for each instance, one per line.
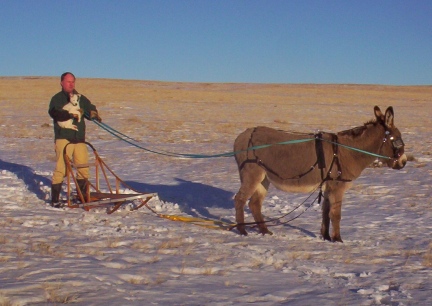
(389, 117)
(378, 114)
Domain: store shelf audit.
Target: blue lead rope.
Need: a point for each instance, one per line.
(134, 142)
(358, 150)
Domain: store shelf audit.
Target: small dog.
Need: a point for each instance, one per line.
(72, 107)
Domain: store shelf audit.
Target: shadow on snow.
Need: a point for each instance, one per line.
(28, 176)
(193, 198)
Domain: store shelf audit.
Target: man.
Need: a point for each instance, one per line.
(77, 149)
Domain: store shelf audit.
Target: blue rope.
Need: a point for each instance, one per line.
(134, 142)
(358, 150)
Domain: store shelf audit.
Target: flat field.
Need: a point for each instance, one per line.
(55, 256)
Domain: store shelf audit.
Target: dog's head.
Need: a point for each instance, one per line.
(74, 98)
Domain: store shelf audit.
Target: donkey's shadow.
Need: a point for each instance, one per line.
(193, 198)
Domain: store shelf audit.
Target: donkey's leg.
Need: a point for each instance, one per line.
(335, 197)
(335, 216)
(251, 176)
(255, 205)
(325, 225)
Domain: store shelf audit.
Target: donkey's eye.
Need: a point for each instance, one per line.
(398, 143)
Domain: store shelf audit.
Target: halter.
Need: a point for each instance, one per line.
(396, 143)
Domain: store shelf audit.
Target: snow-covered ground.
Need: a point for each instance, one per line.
(55, 256)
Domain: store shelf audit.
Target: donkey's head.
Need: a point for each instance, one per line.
(392, 145)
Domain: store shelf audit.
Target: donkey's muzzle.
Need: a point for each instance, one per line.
(400, 162)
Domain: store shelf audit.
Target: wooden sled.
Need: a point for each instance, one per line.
(93, 197)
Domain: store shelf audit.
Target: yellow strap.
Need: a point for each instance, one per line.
(196, 221)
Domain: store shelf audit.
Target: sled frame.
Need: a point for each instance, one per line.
(93, 197)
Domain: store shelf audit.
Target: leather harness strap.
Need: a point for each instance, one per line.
(320, 160)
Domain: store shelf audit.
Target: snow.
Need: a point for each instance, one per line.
(73, 256)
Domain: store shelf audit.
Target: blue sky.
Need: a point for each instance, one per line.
(287, 41)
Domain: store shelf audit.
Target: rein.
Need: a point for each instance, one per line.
(135, 142)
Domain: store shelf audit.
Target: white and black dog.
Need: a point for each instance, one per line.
(73, 107)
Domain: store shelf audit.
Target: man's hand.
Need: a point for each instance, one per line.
(95, 115)
(72, 115)
(76, 115)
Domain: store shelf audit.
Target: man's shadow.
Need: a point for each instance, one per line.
(193, 198)
(28, 176)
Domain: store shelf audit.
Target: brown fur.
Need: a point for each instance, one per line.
(288, 166)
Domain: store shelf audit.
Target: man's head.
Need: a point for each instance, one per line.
(67, 82)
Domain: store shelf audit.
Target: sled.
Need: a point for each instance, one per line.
(93, 196)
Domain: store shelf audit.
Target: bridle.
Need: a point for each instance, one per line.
(396, 143)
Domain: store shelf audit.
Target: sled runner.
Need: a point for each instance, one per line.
(90, 195)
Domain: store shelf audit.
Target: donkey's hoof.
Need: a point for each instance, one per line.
(337, 239)
(242, 231)
(326, 237)
(265, 231)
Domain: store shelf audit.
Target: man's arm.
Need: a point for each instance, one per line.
(90, 110)
(59, 114)
(56, 111)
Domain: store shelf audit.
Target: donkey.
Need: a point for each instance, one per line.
(331, 161)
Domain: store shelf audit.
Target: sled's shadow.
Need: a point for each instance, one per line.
(28, 176)
(193, 198)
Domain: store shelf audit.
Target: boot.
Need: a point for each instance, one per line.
(82, 185)
(55, 195)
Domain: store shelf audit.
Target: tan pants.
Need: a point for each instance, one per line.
(77, 153)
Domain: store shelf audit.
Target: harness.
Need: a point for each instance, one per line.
(396, 143)
(320, 162)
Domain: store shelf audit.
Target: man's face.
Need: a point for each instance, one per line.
(68, 83)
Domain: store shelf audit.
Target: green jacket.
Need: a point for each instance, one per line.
(57, 113)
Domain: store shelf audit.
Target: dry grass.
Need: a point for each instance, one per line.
(54, 294)
(142, 246)
(300, 255)
(113, 242)
(3, 240)
(136, 279)
(43, 248)
(211, 111)
(427, 258)
(4, 301)
(174, 243)
(169, 113)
